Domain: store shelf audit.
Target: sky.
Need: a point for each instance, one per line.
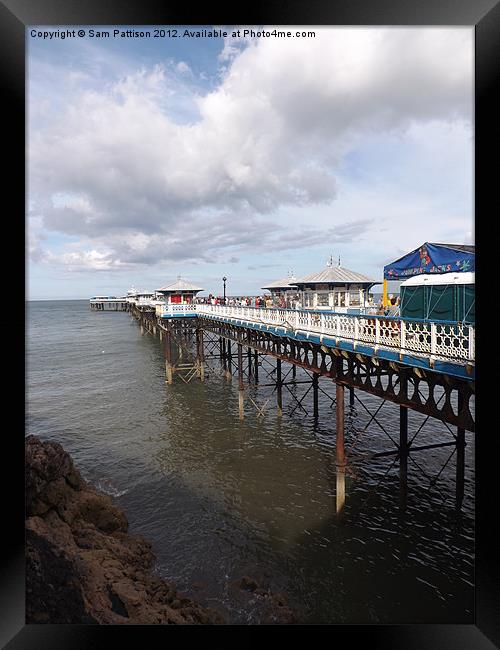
(244, 157)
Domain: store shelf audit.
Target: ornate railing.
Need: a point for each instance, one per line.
(450, 341)
(165, 309)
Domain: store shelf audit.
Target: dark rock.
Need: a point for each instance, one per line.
(82, 565)
(247, 583)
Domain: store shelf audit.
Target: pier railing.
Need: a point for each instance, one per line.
(450, 341)
(176, 309)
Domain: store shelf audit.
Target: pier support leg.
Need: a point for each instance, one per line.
(168, 357)
(294, 371)
(249, 360)
(200, 356)
(240, 381)
(351, 396)
(403, 456)
(256, 366)
(460, 475)
(223, 355)
(340, 445)
(229, 363)
(340, 449)
(279, 389)
(315, 382)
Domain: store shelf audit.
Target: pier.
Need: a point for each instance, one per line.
(422, 366)
(105, 303)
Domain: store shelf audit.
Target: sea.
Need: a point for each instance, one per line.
(222, 498)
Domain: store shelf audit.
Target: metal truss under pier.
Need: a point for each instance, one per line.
(192, 343)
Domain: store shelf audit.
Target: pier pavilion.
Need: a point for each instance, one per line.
(180, 293)
(335, 288)
(283, 292)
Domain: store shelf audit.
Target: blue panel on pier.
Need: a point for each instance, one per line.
(432, 259)
(443, 367)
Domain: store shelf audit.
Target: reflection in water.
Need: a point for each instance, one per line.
(221, 498)
(340, 497)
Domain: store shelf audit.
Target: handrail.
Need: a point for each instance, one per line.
(449, 340)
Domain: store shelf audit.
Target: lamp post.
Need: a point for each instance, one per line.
(224, 280)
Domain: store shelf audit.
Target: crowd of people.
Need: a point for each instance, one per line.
(237, 301)
(392, 309)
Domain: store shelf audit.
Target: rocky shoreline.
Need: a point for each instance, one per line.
(82, 565)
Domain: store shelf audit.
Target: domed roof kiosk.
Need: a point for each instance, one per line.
(180, 292)
(283, 292)
(335, 288)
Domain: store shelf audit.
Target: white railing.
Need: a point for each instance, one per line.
(435, 339)
(165, 309)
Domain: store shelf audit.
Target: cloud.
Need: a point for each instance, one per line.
(118, 168)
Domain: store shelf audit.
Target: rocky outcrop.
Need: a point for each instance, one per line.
(274, 607)
(82, 566)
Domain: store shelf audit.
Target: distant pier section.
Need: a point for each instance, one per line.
(108, 303)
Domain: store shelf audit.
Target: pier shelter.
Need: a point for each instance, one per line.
(447, 296)
(335, 288)
(180, 292)
(283, 292)
(439, 282)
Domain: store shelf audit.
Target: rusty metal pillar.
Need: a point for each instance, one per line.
(279, 389)
(223, 355)
(229, 364)
(403, 457)
(340, 449)
(256, 366)
(460, 469)
(340, 444)
(403, 435)
(200, 355)
(167, 346)
(315, 382)
(240, 380)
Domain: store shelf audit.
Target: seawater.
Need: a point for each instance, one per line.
(222, 498)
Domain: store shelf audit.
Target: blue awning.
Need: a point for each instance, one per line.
(432, 259)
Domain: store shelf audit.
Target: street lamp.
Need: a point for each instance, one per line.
(224, 280)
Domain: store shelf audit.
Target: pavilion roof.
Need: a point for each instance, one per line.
(335, 275)
(282, 283)
(180, 285)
